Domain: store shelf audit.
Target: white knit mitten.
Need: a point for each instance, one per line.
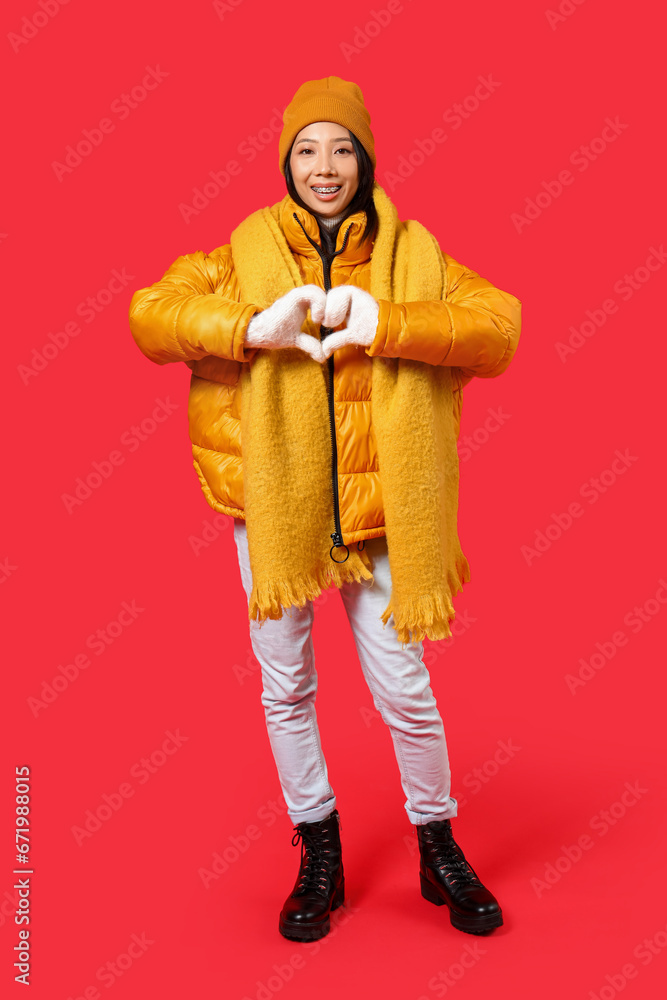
(280, 324)
(362, 320)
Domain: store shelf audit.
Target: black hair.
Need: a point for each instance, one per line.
(363, 197)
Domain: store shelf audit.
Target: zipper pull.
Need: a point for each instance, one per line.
(338, 543)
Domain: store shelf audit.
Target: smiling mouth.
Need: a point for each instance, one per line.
(326, 189)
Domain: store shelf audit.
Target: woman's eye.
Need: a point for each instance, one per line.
(307, 150)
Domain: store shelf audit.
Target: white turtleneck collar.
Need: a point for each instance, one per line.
(331, 221)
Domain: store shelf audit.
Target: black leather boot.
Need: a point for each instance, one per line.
(446, 877)
(320, 884)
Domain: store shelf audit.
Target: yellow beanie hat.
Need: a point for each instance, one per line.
(330, 99)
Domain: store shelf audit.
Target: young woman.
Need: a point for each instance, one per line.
(329, 344)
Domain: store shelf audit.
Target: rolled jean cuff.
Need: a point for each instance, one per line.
(315, 814)
(418, 819)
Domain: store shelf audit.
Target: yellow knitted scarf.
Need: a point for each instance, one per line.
(286, 444)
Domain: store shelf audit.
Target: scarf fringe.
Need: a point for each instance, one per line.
(269, 602)
(428, 616)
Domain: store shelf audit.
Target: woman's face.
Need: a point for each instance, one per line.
(323, 156)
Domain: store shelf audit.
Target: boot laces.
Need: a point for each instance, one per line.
(449, 858)
(315, 873)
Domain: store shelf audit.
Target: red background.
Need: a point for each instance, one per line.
(177, 666)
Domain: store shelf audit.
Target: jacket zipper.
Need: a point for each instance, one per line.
(327, 259)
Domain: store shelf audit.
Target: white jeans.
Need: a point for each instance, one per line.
(397, 678)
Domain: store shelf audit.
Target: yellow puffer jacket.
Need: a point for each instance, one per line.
(194, 314)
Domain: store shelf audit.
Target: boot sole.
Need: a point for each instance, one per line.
(472, 925)
(302, 931)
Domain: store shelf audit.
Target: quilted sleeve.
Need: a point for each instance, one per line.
(188, 314)
(475, 327)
